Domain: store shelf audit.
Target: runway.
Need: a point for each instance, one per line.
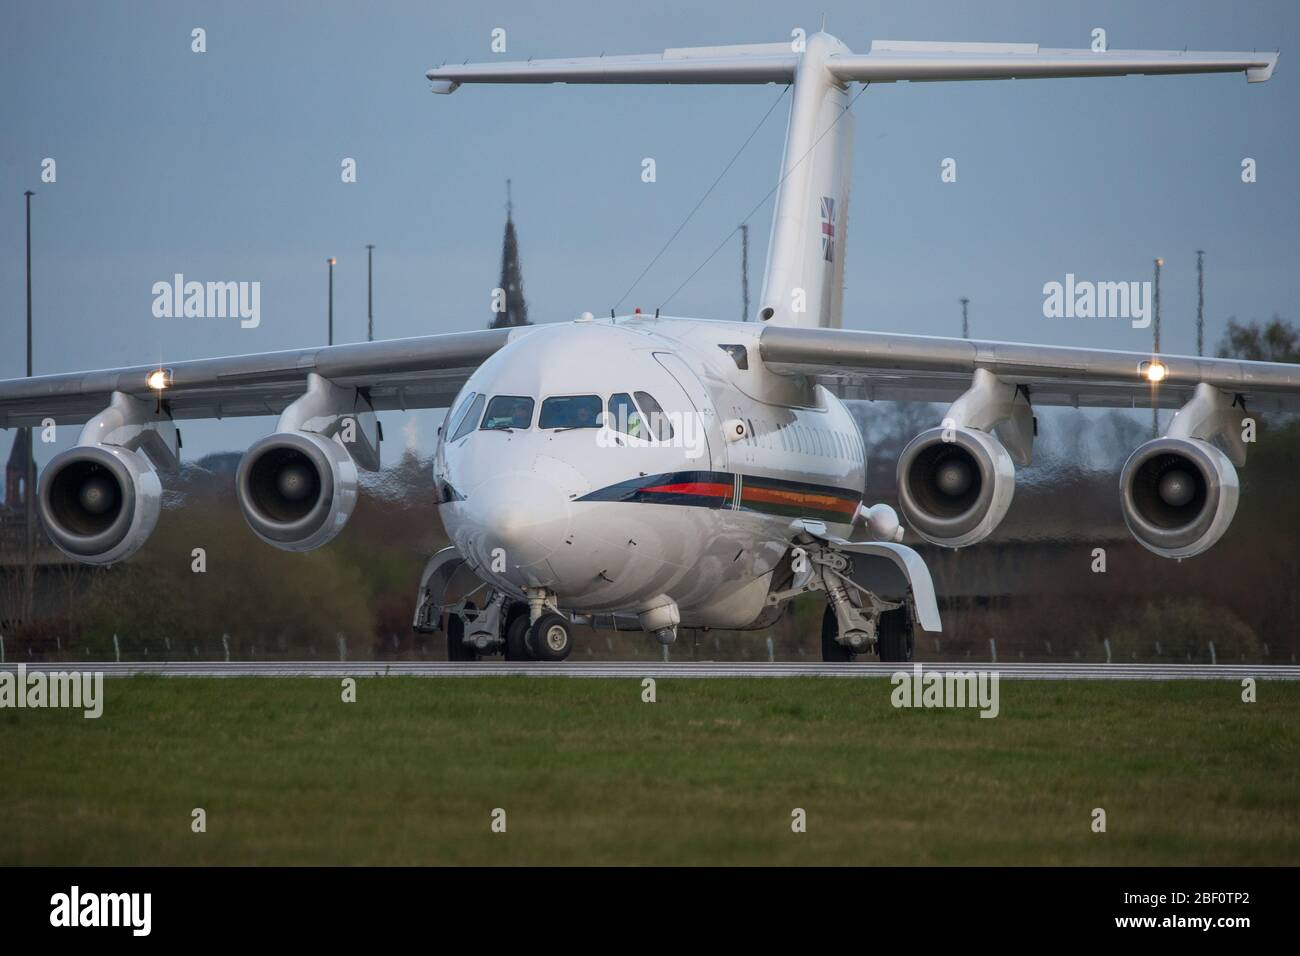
(634, 670)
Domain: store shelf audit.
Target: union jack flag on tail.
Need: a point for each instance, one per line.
(828, 228)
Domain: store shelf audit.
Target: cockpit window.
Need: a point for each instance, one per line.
(660, 427)
(469, 419)
(624, 417)
(457, 415)
(508, 412)
(571, 411)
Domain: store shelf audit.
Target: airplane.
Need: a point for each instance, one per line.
(667, 472)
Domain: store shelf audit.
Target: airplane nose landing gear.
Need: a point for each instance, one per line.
(487, 621)
(549, 636)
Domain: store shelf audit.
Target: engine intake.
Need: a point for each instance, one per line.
(296, 489)
(99, 503)
(955, 485)
(1178, 495)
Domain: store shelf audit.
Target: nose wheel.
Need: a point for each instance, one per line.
(550, 637)
(504, 626)
(517, 635)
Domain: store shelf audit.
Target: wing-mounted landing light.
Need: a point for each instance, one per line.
(297, 486)
(1154, 371)
(159, 380)
(955, 482)
(1179, 492)
(100, 500)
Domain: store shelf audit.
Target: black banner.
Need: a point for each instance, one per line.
(332, 905)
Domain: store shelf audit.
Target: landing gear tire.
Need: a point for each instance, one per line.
(551, 637)
(833, 652)
(457, 649)
(516, 637)
(894, 638)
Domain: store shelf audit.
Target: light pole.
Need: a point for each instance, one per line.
(330, 260)
(29, 494)
(1155, 305)
(965, 323)
(1200, 301)
(1155, 347)
(370, 293)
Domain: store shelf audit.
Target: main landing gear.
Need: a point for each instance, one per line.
(856, 622)
(894, 638)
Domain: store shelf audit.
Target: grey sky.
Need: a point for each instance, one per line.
(225, 166)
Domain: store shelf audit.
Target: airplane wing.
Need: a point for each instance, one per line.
(422, 372)
(1178, 492)
(898, 367)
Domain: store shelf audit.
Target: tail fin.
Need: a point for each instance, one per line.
(803, 281)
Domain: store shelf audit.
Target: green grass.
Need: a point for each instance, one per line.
(288, 774)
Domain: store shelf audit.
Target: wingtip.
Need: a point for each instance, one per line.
(441, 85)
(1262, 74)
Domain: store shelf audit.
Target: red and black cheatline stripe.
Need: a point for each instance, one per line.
(717, 489)
(699, 489)
(798, 499)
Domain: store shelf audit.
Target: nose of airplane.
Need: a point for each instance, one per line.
(518, 520)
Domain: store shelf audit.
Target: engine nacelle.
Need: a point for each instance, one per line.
(1178, 495)
(296, 489)
(99, 503)
(955, 485)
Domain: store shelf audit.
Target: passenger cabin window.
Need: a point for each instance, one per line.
(660, 427)
(469, 417)
(507, 412)
(571, 411)
(624, 416)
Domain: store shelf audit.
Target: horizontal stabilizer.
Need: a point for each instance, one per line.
(746, 63)
(893, 60)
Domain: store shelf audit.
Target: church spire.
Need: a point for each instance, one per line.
(509, 306)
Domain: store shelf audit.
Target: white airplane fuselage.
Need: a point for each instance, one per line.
(610, 522)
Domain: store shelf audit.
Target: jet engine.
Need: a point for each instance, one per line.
(955, 485)
(99, 503)
(100, 500)
(296, 489)
(1178, 495)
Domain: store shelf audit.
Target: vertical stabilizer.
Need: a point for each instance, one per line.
(803, 282)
